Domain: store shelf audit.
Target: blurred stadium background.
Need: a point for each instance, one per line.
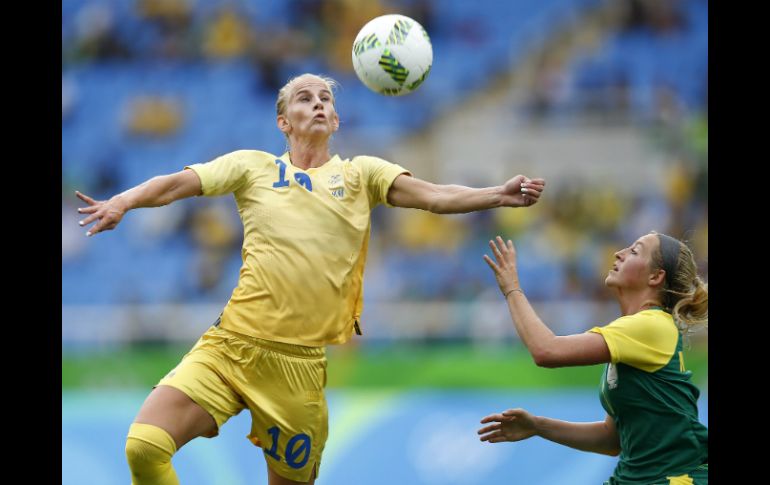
(606, 99)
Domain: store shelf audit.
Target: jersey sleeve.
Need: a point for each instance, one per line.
(643, 340)
(222, 175)
(378, 175)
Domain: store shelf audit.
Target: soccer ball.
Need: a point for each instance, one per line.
(392, 55)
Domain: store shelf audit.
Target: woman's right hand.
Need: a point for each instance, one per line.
(108, 213)
(511, 425)
(504, 264)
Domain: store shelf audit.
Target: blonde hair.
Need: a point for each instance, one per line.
(684, 293)
(285, 92)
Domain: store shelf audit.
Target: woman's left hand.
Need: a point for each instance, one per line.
(505, 265)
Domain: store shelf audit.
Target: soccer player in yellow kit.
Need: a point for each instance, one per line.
(306, 218)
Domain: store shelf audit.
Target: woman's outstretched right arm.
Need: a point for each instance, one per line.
(156, 192)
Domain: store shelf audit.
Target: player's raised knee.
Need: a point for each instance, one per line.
(148, 451)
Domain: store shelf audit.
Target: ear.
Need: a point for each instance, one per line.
(283, 123)
(336, 122)
(657, 277)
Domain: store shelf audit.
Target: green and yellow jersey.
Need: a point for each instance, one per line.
(305, 241)
(647, 391)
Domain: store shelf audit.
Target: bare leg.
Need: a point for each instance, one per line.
(167, 420)
(173, 411)
(276, 479)
(182, 418)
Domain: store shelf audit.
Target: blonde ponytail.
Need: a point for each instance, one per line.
(692, 310)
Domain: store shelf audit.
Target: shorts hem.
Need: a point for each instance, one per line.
(199, 403)
(290, 474)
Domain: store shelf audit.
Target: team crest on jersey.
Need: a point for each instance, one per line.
(612, 376)
(337, 186)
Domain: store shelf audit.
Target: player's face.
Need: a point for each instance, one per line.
(310, 110)
(633, 265)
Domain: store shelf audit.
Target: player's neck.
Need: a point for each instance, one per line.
(634, 302)
(308, 155)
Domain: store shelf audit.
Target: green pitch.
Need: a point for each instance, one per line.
(398, 366)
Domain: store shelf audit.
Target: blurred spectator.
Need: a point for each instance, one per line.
(425, 230)
(173, 19)
(152, 227)
(96, 37)
(421, 11)
(170, 11)
(227, 35)
(342, 20)
(164, 9)
(680, 185)
(105, 177)
(212, 226)
(272, 49)
(215, 234)
(153, 115)
(697, 133)
(660, 16)
(548, 87)
(306, 16)
(513, 223)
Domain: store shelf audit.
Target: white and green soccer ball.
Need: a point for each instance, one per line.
(392, 55)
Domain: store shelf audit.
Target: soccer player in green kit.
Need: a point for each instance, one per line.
(652, 415)
(306, 217)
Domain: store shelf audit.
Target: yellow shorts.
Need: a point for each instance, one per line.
(281, 385)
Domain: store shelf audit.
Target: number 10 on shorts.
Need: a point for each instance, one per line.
(297, 449)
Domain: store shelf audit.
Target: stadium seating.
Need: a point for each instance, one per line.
(225, 105)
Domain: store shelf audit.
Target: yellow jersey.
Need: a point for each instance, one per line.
(650, 395)
(306, 234)
(645, 340)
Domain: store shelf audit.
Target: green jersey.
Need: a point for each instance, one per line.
(647, 391)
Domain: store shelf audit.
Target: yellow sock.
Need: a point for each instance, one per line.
(149, 450)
